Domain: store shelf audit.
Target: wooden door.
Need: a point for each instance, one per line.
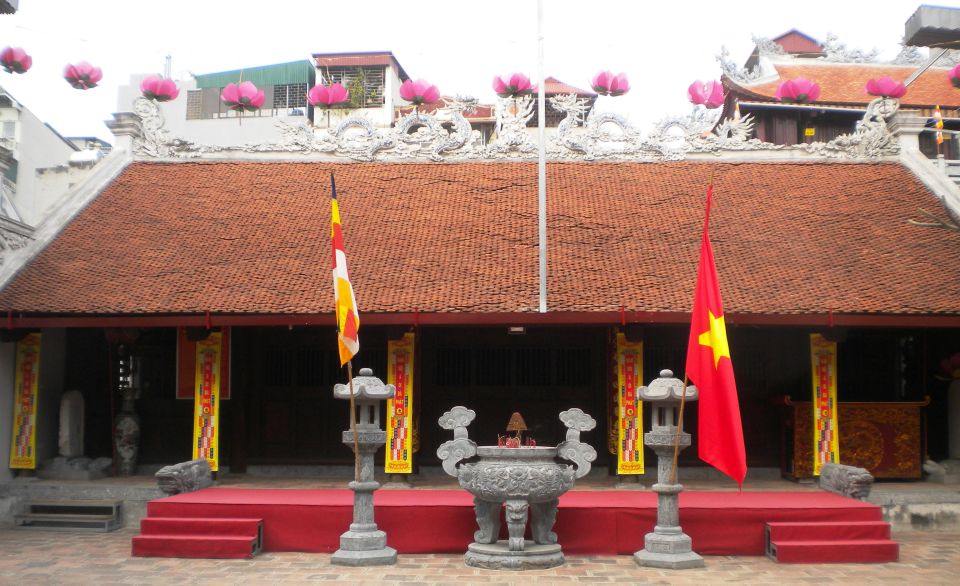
(292, 417)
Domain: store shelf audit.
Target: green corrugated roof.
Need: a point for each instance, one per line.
(279, 74)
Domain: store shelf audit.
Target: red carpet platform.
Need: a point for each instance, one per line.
(442, 521)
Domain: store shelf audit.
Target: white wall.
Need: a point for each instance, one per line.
(36, 147)
(52, 183)
(233, 131)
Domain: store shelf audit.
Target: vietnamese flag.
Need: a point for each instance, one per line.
(709, 367)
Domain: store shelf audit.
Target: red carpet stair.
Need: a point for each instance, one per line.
(831, 542)
(198, 537)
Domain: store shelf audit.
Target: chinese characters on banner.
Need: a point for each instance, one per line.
(187, 364)
(399, 453)
(629, 406)
(23, 446)
(206, 410)
(826, 442)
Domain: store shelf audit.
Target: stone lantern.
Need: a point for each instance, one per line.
(364, 544)
(667, 546)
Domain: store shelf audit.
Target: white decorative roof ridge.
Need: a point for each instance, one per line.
(583, 134)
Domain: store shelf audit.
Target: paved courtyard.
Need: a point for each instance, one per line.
(42, 557)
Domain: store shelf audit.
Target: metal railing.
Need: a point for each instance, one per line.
(951, 167)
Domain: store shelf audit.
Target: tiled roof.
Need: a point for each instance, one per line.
(553, 86)
(322, 60)
(353, 59)
(252, 238)
(796, 42)
(843, 83)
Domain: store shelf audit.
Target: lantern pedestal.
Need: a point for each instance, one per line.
(363, 544)
(667, 546)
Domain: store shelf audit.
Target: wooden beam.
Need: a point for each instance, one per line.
(554, 318)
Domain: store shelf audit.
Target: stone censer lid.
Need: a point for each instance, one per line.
(521, 453)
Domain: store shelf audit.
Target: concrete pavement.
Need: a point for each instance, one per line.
(43, 557)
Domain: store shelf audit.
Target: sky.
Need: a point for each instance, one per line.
(459, 46)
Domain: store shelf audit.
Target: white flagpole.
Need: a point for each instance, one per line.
(542, 163)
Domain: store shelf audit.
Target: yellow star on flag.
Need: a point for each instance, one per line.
(715, 338)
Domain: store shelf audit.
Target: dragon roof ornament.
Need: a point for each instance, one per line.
(834, 50)
(734, 71)
(837, 52)
(767, 46)
(584, 133)
(909, 55)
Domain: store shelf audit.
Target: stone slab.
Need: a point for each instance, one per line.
(497, 556)
(669, 561)
(370, 557)
(354, 540)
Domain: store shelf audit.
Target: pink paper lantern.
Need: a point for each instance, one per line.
(517, 85)
(955, 76)
(886, 87)
(244, 97)
(419, 92)
(82, 75)
(159, 89)
(326, 96)
(799, 90)
(709, 94)
(15, 60)
(607, 84)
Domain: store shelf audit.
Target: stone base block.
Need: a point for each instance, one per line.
(667, 547)
(667, 540)
(372, 540)
(669, 561)
(497, 556)
(376, 557)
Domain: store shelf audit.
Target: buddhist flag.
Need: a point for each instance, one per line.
(938, 124)
(348, 320)
(709, 367)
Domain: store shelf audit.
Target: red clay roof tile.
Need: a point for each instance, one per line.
(253, 238)
(798, 43)
(553, 86)
(843, 83)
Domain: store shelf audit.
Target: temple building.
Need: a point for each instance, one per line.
(841, 74)
(178, 243)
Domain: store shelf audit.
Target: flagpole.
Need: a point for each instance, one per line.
(541, 163)
(353, 424)
(347, 351)
(683, 395)
(676, 439)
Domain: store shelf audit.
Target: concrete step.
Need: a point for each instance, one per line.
(195, 546)
(201, 526)
(71, 515)
(828, 530)
(873, 551)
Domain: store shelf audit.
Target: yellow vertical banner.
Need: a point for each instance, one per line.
(826, 441)
(399, 453)
(23, 445)
(206, 405)
(629, 406)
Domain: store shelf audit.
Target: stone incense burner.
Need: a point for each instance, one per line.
(527, 481)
